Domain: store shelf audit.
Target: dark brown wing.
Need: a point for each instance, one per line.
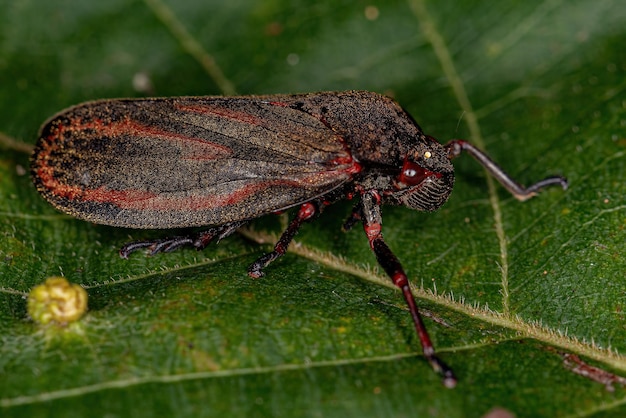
(181, 162)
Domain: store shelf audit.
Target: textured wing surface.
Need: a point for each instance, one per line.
(181, 162)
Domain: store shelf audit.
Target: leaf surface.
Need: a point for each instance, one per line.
(510, 289)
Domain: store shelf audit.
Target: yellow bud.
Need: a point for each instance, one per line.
(57, 301)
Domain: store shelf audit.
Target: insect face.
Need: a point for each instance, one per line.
(426, 178)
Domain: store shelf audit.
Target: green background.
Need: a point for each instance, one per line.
(509, 287)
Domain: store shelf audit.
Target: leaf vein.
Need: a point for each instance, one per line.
(456, 83)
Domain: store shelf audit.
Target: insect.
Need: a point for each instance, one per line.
(222, 161)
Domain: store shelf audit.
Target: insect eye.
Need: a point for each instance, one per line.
(412, 174)
(409, 173)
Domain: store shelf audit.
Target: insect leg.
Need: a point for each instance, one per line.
(306, 212)
(198, 241)
(389, 262)
(520, 192)
(355, 216)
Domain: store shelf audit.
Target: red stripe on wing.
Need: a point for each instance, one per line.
(191, 147)
(142, 200)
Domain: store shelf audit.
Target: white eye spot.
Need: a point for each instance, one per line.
(427, 155)
(409, 172)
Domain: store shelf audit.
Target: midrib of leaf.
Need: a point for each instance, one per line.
(456, 83)
(533, 330)
(530, 330)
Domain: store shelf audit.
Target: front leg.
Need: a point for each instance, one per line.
(372, 220)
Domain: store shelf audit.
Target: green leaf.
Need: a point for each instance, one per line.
(524, 300)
